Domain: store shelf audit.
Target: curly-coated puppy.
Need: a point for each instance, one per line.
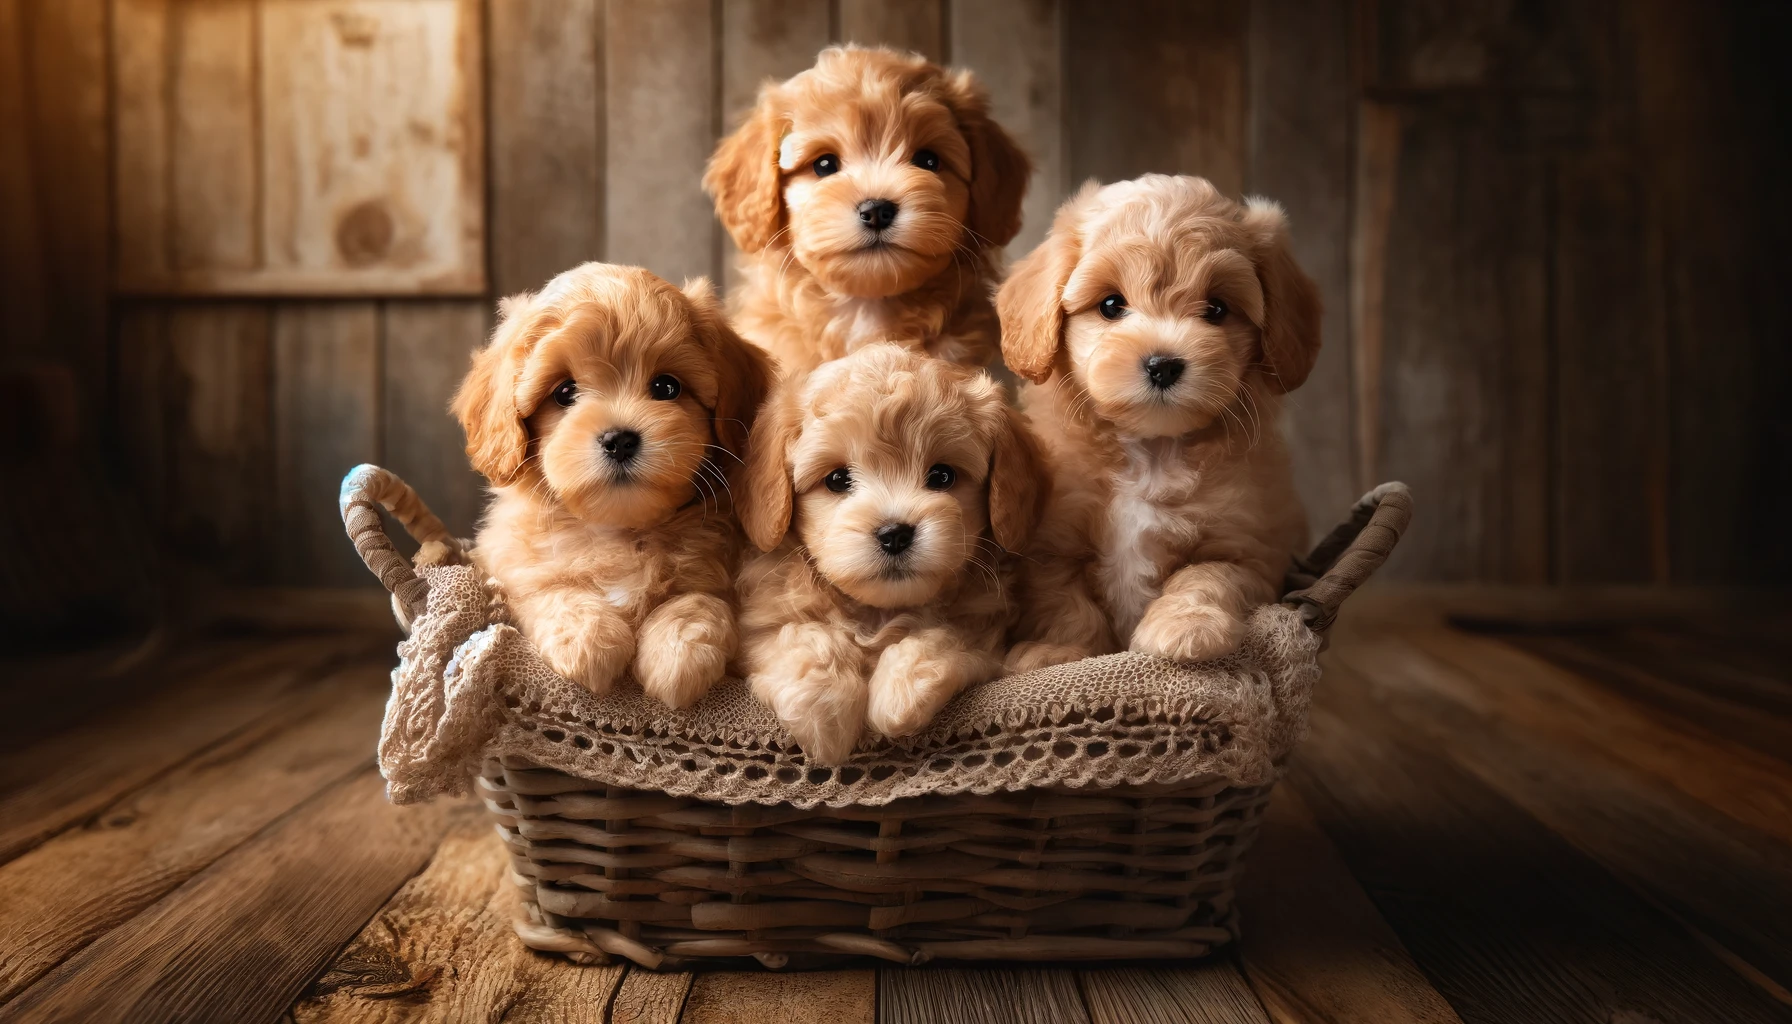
(870, 196)
(1168, 321)
(604, 412)
(903, 482)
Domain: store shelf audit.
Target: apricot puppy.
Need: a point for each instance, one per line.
(885, 489)
(1161, 323)
(604, 413)
(869, 196)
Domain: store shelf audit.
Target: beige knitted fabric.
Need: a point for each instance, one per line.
(469, 688)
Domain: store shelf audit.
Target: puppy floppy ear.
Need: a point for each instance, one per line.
(743, 371)
(485, 404)
(744, 179)
(766, 503)
(1031, 301)
(999, 167)
(1291, 304)
(1017, 484)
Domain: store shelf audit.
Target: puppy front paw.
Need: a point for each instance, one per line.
(583, 659)
(679, 655)
(913, 681)
(1188, 632)
(812, 685)
(1029, 655)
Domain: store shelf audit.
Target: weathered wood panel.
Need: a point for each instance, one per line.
(979, 996)
(1015, 46)
(442, 950)
(326, 421)
(241, 939)
(917, 25)
(1301, 131)
(818, 997)
(1209, 993)
(647, 997)
(764, 40)
(21, 264)
(546, 79)
(427, 347)
(660, 97)
(291, 147)
(1157, 85)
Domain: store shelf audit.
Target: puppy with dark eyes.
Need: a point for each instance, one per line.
(604, 412)
(1160, 323)
(870, 196)
(886, 490)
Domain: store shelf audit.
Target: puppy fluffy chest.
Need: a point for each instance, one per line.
(1143, 530)
(860, 322)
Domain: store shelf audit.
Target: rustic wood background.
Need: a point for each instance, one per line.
(1548, 236)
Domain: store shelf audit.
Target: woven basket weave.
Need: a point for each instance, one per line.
(1089, 811)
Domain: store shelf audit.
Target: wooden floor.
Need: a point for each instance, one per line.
(1552, 810)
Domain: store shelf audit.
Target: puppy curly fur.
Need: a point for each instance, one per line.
(819, 283)
(606, 563)
(840, 634)
(1174, 506)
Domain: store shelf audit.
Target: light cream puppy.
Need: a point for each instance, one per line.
(1161, 323)
(870, 197)
(885, 489)
(605, 412)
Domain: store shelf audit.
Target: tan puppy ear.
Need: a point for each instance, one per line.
(744, 180)
(1017, 483)
(1291, 304)
(767, 496)
(744, 371)
(485, 404)
(1000, 169)
(1031, 301)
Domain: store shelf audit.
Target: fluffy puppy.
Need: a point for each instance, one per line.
(886, 490)
(603, 412)
(870, 195)
(1160, 323)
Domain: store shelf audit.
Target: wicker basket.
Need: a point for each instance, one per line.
(1094, 811)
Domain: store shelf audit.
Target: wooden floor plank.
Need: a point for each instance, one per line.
(810, 997)
(1728, 881)
(442, 950)
(47, 786)
(78, 885)
(978, 996)
(1315, 948)
(1556, 705)
(1507, 919)
(647, 997)
(239, 941)
(1207, 993)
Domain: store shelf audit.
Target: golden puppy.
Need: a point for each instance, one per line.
(904, 481)
(603, 413)
(870, 195)
(1169, 320)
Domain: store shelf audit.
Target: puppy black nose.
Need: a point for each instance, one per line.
(619, 445)
(877, 214)
(895, 538)
(1163, 371)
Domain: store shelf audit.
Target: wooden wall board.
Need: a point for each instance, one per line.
(662, 120)
(764, 40)
(286, 147)
(545, 76)
(1301, 132)
(22, 267)
(1016, 48)
(915, 25)
(427, 352)
(326, 421)
(1136, 69)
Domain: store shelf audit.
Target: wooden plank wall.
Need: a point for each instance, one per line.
(1545, 234)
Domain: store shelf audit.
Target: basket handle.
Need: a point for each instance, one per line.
(1349, 555)
(365, 490)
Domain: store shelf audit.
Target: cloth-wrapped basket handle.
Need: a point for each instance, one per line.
(1318, 583)
(367, 489)
(1348, 555)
